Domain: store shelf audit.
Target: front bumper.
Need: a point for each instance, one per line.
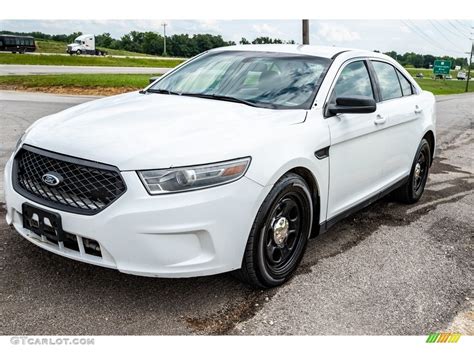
(195, 233)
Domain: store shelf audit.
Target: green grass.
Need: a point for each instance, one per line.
(60, 48)
(77, 80)
(8, 58)
(50, 47)
(437, 87)
(444, 87)
(127, 53)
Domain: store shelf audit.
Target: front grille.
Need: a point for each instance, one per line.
(85, 187)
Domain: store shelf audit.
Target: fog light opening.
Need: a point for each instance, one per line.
(91, 247)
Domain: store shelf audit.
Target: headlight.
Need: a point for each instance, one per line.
(188, 178)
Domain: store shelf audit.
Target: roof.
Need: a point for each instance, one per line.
(81, 37)
(319, 51)
(8, 35)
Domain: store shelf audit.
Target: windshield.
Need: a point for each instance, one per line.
(262, 79)
(78, 41)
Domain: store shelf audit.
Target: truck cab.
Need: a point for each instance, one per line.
(84, 44)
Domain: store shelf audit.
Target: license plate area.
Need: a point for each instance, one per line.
(43, 223)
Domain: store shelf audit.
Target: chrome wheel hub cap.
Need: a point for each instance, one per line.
(417, 170)
(280, 230)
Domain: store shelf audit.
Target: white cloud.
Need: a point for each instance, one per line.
(405, 29)
(265, 29)
(209, 25)
(336, 33)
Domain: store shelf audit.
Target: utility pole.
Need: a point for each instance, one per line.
(164, 24)
(470, 63)
(469, 69)
(305, 31)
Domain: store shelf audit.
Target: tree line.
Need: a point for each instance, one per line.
(184, 45)
(424, 60)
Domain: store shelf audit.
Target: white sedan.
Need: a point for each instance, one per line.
(230, 162)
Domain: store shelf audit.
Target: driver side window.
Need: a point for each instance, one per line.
(354, 80)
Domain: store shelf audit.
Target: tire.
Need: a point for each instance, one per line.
(413, 189)
(279, 234)
(78, 52)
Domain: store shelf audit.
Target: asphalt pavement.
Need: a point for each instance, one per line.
(388, 269)
(14, 69)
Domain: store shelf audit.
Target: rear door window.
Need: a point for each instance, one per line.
(407, 88)
(388, 81)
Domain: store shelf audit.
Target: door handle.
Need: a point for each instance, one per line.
(379, 119)
(418, 109)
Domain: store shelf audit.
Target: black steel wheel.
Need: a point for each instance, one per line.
(420, 172)
(413, 189)
(279, 235)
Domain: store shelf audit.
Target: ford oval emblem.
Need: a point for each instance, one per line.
(52, 178)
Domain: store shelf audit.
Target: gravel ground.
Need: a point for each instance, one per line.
(389, 269)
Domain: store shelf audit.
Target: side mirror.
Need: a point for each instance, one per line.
(352, 104)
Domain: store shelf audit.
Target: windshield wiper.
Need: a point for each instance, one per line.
(211, 96)
(161, 91)
(228, 98)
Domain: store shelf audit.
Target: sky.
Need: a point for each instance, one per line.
(437, 37)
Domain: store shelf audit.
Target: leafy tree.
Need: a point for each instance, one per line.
(153, 43)
(266, 40)
(104, 40)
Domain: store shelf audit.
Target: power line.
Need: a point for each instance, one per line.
(412, 27)
(451, 31)
(457, 28)
(442, 33)
(462, 23)
(425, 37)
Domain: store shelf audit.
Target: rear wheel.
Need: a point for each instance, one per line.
(413, 189)
(279, 235)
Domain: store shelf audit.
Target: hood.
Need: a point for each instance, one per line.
(73, 45)
(148, 131)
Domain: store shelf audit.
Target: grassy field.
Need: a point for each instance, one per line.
(115, 83)
(8, 58)
(444, 87)
(439, 86)
(60, 47)
(78, 80)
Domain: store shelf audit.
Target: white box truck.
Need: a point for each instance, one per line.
(84, 44)
(462, 75)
